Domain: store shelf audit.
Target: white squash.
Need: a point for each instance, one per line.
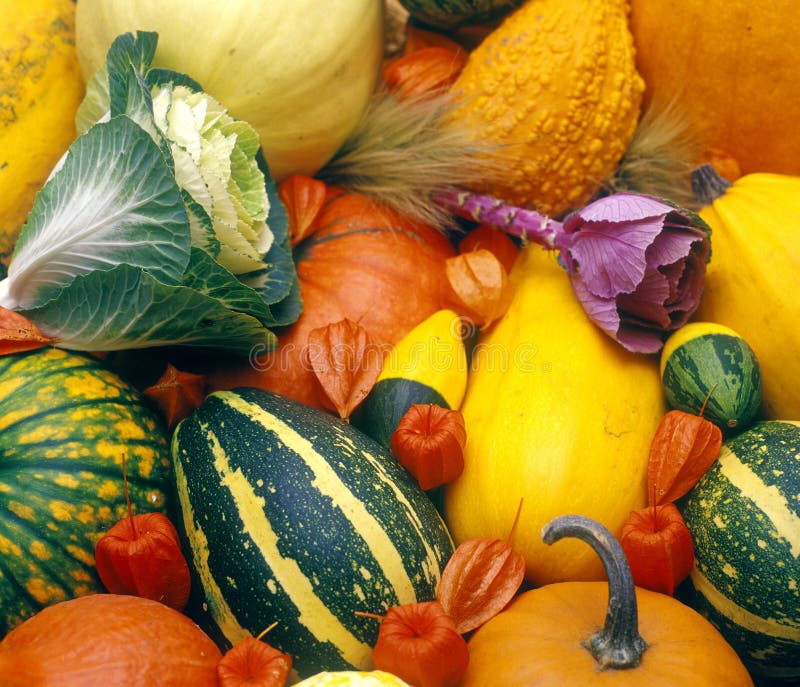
(300, 72)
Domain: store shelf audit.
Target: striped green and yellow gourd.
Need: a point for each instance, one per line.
(292, 516)
(744, 516)
(65, 423)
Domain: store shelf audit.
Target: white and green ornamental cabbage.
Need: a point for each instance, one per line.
(158, 226)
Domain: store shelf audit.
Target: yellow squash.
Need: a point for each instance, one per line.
(558, 415)
(554, 89)
(752, 280)
(40, 90)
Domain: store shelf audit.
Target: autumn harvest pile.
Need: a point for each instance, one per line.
(417, 343)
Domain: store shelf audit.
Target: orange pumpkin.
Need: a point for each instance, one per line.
(733, 66)
(366, 263)
(108, 640)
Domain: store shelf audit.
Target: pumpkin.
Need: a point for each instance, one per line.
(293, 516)
(711, 59)
(365, 263)
(302, 95)
(555, 91)
(549, 637)
(65, 424)
(353, 678)
(557, 415)
(41, 87)
(744, 516)
(751, 281)
(108, 640)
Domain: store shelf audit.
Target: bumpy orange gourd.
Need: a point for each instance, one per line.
(731, 66)
(555, 88)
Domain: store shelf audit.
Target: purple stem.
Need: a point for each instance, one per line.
(528, 225)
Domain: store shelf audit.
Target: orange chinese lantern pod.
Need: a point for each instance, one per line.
(303, 197)
(481, 283)
(683, 448)
(658, 546)
(17, 333)
(252, 662)
(429, 443)
(430, 69)
(419, 643)
(497, 242)
(141, 556)
(345, 363)
(177, 393)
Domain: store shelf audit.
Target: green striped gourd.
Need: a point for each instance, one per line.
(703, 358)
(65, 423)
(449, 14)
(428, 365)
(744, 516)
(294, 516)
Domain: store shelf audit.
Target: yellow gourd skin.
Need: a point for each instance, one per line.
(536, 642)
(558, 415)
(751, 281)
(555, 88)
(300, 72)
(40, 90)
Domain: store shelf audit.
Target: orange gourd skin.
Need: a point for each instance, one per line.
(365, 263)
(536, 642)
(732, 67)
(108, 640)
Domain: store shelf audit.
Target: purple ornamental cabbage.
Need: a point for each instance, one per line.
(636, 263)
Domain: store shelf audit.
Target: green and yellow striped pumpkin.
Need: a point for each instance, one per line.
(65, 423)
(294, 516)
(744, 516)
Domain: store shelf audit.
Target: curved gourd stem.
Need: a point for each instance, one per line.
(708, 185)
(618, 645)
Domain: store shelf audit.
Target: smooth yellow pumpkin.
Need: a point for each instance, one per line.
(751, 281)
(731, 67)
(40, 90)
(300, 72)
(558, 415)
(554, 91)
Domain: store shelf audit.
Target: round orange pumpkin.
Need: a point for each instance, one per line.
(366, 263)
(108, 639)
(732, 67)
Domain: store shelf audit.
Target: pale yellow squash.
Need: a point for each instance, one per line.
(752, 280)
(554, 90)
(300, 72)
(40, 90)
(558, 416)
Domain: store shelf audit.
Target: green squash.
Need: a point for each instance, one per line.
(293, 516)
(450, 14)
(65, 423)
(744, 516)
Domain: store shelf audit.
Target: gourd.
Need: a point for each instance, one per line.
(555, 94)
(708, 366)
(40, 90)
(744, 516)
(292, 516)
(108, 639)
(711, 59)
(352, 678)
(552, 636)
(303, 95)
(65, 424)
(365, 263)
(450, 14)
(558, 416)
(751, 281)
(428, 365)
